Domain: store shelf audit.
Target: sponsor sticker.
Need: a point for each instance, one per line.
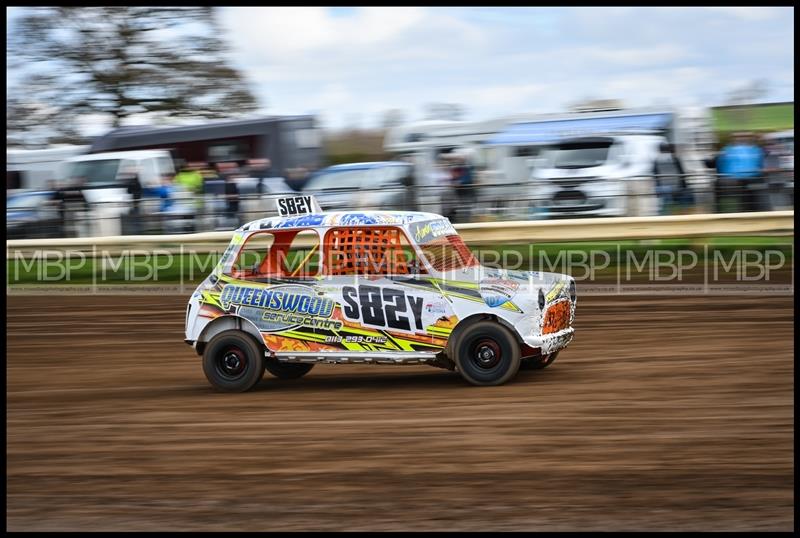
(497, 291)
(280, 307)
(423, 232)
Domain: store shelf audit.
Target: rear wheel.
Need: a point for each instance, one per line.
(233, 361)
(486, 353)
(284, 370)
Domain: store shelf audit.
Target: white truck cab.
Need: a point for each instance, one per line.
(597, 176)
(102, 175)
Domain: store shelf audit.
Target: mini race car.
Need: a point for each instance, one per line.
(369, 287)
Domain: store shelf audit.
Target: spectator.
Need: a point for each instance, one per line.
(165, 192)
(130, 178)
(192, 181)
(741, 165)
(73, 208)
(190, 178)
(260, 169)
(232, 199)
(440, 182)
(462, 175)
(670, 181)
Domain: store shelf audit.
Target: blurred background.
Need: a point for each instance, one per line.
(145, 120)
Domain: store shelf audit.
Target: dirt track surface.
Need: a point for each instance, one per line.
(663, 414)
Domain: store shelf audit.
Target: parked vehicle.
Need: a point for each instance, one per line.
(39, 169)
(370, 185)
(371, 287)
(634, 134)
(596, 176)
(425, 144)
(103, 178)
(33, 214)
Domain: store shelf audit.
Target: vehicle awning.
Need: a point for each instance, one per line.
(544, 132)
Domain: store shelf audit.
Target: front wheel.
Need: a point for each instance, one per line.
(283, 370)
(233, 362)
(487, 354)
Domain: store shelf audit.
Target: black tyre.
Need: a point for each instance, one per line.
(538, 363)
(285, 370)
(233, 361)
(487, 353)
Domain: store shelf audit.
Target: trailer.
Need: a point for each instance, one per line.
(290, 142)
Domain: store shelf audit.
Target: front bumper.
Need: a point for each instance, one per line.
(551, 343)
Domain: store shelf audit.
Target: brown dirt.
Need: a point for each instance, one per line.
(664, 414)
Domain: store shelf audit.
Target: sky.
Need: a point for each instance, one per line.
(350, 65)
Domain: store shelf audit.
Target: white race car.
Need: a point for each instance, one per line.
(369, 287)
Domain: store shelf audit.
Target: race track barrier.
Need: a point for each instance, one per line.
(481, 233)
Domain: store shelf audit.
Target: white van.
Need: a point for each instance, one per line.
(596, 176)
(103, 173)
(35, 169)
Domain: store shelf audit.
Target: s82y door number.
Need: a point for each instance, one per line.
(382, 307)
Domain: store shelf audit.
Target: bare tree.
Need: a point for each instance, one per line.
(747, 93)
(123, 61)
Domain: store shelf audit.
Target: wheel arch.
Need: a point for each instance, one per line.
(463, 324)
(226, 323)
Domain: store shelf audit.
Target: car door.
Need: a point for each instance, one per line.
(387, 302)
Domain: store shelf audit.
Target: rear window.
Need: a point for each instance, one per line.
(369, 250)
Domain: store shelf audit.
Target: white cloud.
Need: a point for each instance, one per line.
(502, 61)
(750, 13)
(656, 55)
(284, 33)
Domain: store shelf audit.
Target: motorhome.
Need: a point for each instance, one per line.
(613, 151)
(425, 143)
(507, 150)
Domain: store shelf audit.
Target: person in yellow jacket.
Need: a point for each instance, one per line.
(191, 179)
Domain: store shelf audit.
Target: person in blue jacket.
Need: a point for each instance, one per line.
(740, 167)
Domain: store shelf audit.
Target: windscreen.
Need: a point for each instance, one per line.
(26, 201)
(353, 179)
(580, 154)
(441, 245)
(96, 172)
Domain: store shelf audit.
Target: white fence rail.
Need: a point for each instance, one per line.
(596, 229)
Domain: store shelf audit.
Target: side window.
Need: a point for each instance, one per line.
(252, 255)
(369, 250)
(285, 254)
(302, 257)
